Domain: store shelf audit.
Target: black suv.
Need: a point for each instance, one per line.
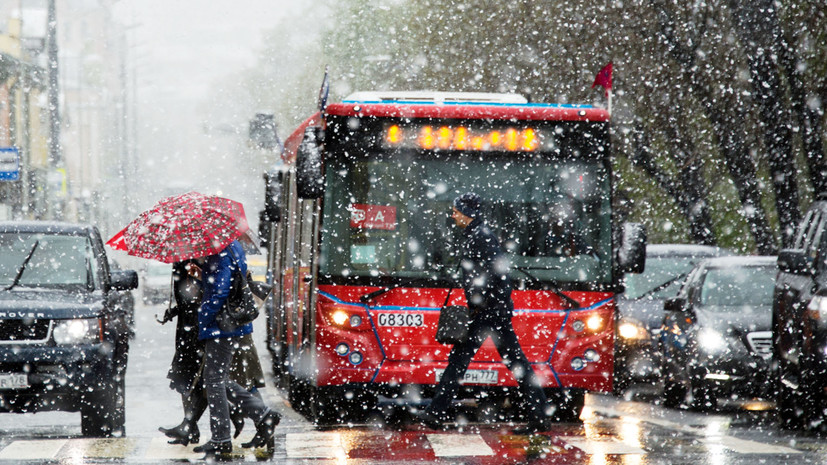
(799, 323)
(64, 338)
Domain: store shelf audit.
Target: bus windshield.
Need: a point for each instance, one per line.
(385, 214)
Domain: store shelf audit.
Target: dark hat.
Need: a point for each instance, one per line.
(468, 204)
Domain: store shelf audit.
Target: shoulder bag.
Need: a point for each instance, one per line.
(240, 307)
(453, 322)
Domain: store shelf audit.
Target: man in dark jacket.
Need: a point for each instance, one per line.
(484, 274)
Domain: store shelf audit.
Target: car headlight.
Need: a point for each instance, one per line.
(77, 331)
(817, 309)
(632, 330)
(710, 340)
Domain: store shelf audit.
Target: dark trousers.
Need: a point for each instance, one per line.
(505, 340)
(221, 390)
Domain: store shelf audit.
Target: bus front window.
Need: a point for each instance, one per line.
(387, 215)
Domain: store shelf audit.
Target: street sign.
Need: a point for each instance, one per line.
(9, 164)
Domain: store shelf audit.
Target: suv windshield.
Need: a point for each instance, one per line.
(56, 261)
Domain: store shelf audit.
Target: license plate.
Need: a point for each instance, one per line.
(472, 376)
(400, 319)
(14, 381)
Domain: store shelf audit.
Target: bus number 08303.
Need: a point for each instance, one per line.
(400, 319)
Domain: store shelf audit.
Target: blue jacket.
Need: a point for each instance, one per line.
(216, 279)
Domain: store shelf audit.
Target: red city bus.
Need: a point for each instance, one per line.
(363, 257)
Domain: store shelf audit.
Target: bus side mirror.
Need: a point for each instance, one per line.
(794, 261)
(631, 257)
(309, 176)
(272, 197)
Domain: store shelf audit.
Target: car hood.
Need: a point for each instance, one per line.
(647, 311)
(16, 304)
(740, 320)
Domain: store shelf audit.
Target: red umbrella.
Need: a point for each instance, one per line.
(181, 227)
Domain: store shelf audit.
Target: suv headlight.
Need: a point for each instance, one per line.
(632, 330)
(817, 309)
(77, 331)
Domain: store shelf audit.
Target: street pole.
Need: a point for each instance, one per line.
(55, 156)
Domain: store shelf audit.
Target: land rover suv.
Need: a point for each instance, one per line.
(64, 338)
(799, 323)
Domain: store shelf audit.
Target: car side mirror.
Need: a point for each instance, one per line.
(631, 256)
(674, 304)
(124, 280)
(794, 261)
(309, 176)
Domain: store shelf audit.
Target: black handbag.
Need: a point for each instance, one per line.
(240, 308)
(452, 327)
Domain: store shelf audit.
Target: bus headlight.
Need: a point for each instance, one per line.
(339, 317)
(355, 358)
(594, 323)
(77, 331)
(342, 349)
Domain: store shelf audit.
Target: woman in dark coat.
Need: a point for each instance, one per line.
(185, 371)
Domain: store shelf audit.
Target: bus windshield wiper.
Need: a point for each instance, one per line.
(22, 268)
(372, 295)
(551, 284)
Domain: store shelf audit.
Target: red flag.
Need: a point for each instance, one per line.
(604, 78)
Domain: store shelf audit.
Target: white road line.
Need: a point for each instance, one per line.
(744, 446)
(99, 448)
(33, 450)
(314, 445)
(741, 446)
(609, 446)
(159, 449)
(458, 445)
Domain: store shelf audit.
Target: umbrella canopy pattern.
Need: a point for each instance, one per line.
(181, 227)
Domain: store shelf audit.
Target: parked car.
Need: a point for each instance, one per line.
(64, 339)
(156, 286)
(715, 338)
(640, 309)
(800, 323)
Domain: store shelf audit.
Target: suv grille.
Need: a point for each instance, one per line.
(24, 331)
(760, 343)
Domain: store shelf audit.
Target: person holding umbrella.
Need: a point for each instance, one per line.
(206, 228)
(218, 270)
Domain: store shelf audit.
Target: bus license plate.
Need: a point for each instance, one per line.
(472, 376)
(14, 381)
(400, 319)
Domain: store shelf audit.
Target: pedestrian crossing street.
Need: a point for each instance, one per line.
(488, 446)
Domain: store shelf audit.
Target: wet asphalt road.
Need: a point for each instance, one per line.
(614, 431)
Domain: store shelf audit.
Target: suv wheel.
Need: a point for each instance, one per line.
(102, 410)
(673, 394)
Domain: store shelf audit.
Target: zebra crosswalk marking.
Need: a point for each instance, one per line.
(459, 445)
(314, 445)
(610, 446)
(42, 449)
(159, 449)
(745, 446)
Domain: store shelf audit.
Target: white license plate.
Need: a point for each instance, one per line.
(14, 381)
(400, 319)
(472, 376)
